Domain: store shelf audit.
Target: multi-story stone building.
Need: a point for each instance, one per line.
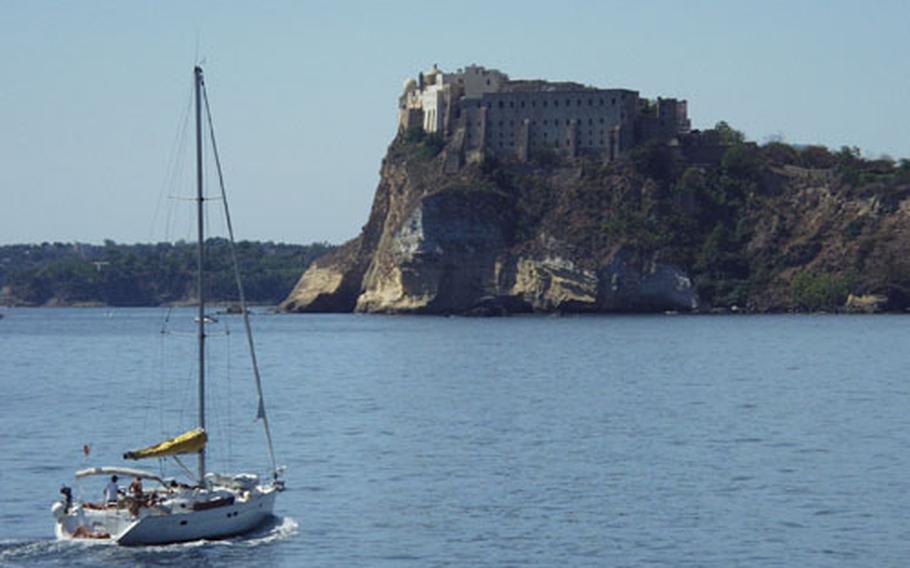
(483, 112)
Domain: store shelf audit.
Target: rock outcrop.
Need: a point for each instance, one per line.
(654, 232)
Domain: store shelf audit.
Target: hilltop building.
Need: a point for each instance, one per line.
(483, 112)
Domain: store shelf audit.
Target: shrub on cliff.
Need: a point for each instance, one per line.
(817, 291)
(426, 145)
(743, 161)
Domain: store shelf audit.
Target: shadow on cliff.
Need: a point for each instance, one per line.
(687, 226)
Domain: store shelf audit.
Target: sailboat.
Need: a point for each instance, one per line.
(213, 505)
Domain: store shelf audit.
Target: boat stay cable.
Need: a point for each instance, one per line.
(260, 412)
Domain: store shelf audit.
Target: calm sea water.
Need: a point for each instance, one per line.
(525, 441)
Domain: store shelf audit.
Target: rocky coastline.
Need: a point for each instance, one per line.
(757, 229)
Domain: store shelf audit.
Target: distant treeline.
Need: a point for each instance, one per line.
(148, 274)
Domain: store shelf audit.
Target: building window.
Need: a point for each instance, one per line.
(614, 101)
(545, 104)
(601, 120)
(579, 102)
(500, 104)
(511, 104)
(568, 122)
(522, 104)
(590, 102)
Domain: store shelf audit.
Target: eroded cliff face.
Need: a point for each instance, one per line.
(586, 237)
(441, 244)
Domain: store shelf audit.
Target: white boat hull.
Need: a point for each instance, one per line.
(151, 528)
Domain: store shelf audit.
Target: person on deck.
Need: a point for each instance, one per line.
(136, 488)
(111, 491)
(136, 499)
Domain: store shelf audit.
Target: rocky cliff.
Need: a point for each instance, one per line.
(767, 228)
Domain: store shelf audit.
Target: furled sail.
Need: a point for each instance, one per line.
(187, 443)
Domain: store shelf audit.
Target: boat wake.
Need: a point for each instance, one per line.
(97, 552)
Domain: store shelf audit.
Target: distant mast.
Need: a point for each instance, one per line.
(200, 259)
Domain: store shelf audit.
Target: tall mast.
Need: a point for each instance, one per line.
(200, 260)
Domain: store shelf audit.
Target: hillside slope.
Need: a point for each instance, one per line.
(755, 228)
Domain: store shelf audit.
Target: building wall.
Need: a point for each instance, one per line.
(569, 122)
(491, 114)
(475, 81)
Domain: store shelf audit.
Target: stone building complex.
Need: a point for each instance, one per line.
(483, 112)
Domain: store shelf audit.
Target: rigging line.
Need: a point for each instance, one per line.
(227, 375)
(260, 412)
(173, 158)
(176, 171)
(162, 374)
(184, 468)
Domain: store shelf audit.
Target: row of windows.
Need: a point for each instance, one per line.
(554, 122)
(569, 122)
(545, 144)
(600, 101)
(546, 135)
(535, 134)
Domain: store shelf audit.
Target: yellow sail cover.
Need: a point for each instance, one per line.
(187, 443)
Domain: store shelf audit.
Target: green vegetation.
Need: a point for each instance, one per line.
(732, 213)
(425, 146)
(148, 274)
(819, 291)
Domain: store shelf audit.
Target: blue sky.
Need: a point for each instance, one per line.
(304, 93)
